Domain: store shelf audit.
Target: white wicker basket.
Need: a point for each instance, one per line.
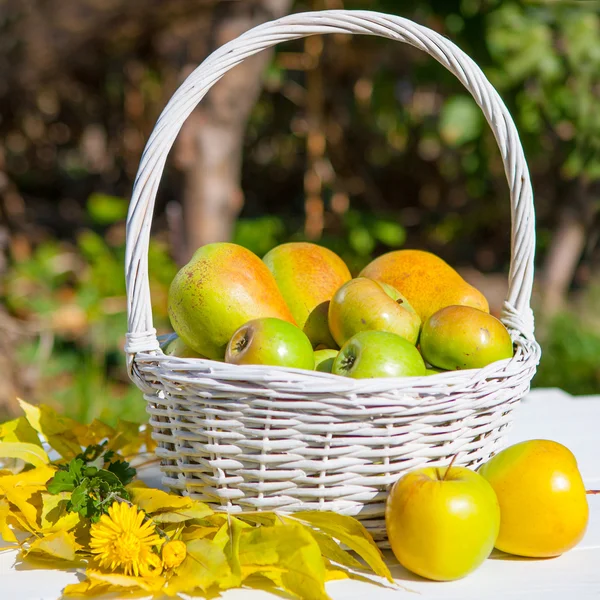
(269, 438)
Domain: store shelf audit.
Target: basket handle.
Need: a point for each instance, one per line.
(517, 314)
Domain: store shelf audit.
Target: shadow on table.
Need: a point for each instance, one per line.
(499, 555)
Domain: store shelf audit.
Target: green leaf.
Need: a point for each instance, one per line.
(461, 120)
(63, 481)
(204, 566)
(105, 209)
(390, 233)
(123, 471)
(30, 453)
(350, 532)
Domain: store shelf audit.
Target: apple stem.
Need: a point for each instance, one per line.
(449, 467)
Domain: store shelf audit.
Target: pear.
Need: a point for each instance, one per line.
(366, 305)
(308, 276)
(427, 282)
(222, 287)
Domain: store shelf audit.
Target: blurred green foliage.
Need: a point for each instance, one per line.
(405, 142)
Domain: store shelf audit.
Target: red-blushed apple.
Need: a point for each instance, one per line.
(442, 522)
(324, 359)
(543, 504)
(371, 354)
(362, 304)
(270, 341)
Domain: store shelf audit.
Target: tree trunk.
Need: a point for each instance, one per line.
(566, 248)
(210, 144)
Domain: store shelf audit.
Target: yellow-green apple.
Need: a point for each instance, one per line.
(463, 337)
(371, 354)
(270, 341)
(442, 522)
(308, 275)
(221, 288)
(543, 505)
(434, 371)
(324, 359)
(362, 304)
(176, 347)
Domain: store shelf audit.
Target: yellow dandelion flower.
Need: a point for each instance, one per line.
(173, 554)
(122, 541)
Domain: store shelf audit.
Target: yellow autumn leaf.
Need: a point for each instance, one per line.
(23, 489)
(334, 574)
(94, 433)
(30, 453)
(350, 532)
(333, 551)
(152, 500)
(196, 532)
(55, 516)
(59, 431)
(89, 587)
(127, 438)
(336, 571)
(6, 533)
(197, 510)
(235, 527)
(148, 583)
(289, 547)
(204, 566)
(19, 430)
(60, 544)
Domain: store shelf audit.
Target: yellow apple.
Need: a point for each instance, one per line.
(543, 504)
(442, 523)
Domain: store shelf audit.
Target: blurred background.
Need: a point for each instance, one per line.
(358, 143)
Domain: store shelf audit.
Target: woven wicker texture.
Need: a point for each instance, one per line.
(248, 438)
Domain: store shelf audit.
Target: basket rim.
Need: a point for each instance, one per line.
(300, 383)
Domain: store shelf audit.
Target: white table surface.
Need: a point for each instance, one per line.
(549, 414)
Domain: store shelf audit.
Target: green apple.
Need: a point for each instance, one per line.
(362, 304)
(270, 341)
(324, 359)
(176, 347)
(378, 354)
(463, 337)
(434, 371)
(442, 523)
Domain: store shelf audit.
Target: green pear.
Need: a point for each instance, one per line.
(222, 287)
(308, 276)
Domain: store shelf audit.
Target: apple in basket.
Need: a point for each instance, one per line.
(371, 354)
(442, 523)
(463, 337)
(270, 341)
(324, 359)
(362, 304)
